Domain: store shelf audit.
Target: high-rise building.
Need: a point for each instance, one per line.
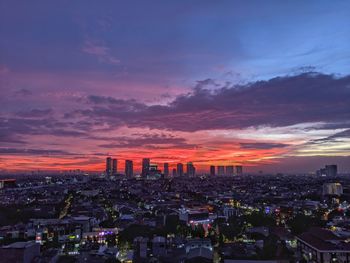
(166, 169)
(229, 170)
(331, 170)
(114, 166)
(212, 170)
(332, 189)
(321, 172)
(180, 169)
(191, 170)
(221, 170)
(174, 172)
(129, 168)
(145, 167)
(239, 169)
(108, 166)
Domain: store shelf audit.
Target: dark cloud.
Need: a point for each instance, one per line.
(262, 145)
(32, 151)
(281, 101)
(13, 129)
(337, 136)
(35, 113)
(23, 92)
(147, 141)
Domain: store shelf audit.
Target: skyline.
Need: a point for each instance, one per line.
(261, 84)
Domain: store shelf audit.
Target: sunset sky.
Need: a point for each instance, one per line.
(264, 84)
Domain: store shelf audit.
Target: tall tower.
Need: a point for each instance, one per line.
(180, 169)
(239, 169)
(166, 169)
(129, 168)
(212, 170)
(114, 166)
(145, 166)
(108, 166)
(331, 170)
(221, 170)
(190, 169)
(229, 170)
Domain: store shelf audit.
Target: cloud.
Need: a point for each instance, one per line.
(32, 151)
(12, 129)
(147, 141)
(278, 102)
(100, 51)
(23, 92)
(262, 145)
(337, 136)
(35, 113)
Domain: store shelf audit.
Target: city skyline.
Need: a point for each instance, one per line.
(263, 85)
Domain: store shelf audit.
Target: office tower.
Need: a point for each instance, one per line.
(332, 189)
(174, 172)
(321, 172)
(129, 168)
(331, 170)
(221, 170)
(114, 166)
(108, 166)
(145, 166)
(180, 169)
(239, 169)
(191, 170)
(229, 170)
(166, 169)
(212, 170)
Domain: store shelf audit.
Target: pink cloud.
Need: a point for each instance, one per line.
(100, 51)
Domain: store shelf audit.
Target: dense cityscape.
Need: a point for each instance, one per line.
(224, 215)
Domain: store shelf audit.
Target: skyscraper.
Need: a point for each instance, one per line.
(145, 167)
(191, 170)
(239, 169)
(229, 170)
(212, 170)
(331, 170)
(221, 170)
(108, 166)
(114, 166)
(180, 169)
(166, 169)
(332, 189)
(129, 168)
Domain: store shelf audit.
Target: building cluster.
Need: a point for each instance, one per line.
(328, 170)
(228, 170)
(91, 218)
(152, 171)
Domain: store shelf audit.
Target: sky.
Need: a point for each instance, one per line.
(263, 84)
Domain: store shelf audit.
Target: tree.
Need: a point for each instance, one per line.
(260, 219)
(198, 231)
(270, 248)
(111, 240)
(301, 223)
(171, 223)
(129, 233)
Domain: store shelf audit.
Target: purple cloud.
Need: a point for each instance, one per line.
(282, 101)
